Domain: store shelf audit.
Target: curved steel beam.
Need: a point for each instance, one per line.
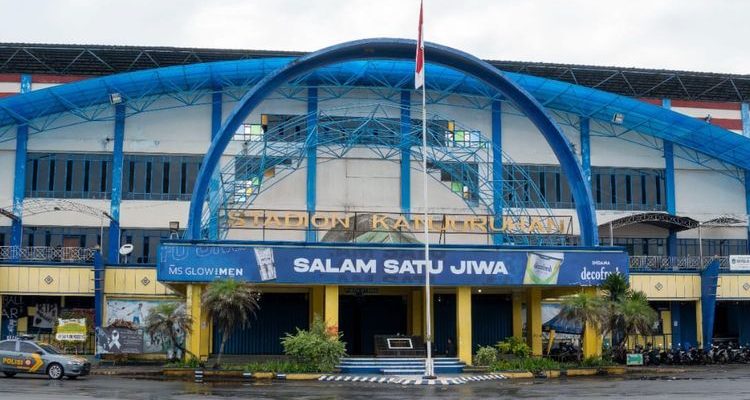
(401, 49)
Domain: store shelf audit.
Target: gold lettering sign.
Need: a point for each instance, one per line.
(381, 222)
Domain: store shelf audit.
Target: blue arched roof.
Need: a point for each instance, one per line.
(639, 116)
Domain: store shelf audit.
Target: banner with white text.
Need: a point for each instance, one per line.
(361, 265)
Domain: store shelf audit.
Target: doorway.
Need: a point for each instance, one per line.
(363, 317)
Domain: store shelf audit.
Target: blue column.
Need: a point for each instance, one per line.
(586, 147)
(312, 156)
(709, 283)
(497, 168)
(113, 255)
(406, 141)
(213, 224)
(745, 114)
(747, 205)
(669, 186)
(674, 307)
(19, 177)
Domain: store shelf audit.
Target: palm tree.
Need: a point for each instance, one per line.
(584, 309)
(637, 315)
(230, 303)
(169, 320)
(616, 288)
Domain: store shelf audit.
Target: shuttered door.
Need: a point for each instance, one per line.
(492, 319)
(279, 313)
(445, 321)
(363, 317)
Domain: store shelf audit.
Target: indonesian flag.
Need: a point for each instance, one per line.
(419, 68)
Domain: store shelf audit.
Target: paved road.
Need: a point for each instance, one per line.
(731, 382)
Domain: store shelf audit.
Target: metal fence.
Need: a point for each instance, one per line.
(672, 264)
(47, 254)
(79, 348)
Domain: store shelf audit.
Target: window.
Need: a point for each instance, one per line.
(8, 345)
(26, 347)
(462, 178)
(250, 171)
(249, 133)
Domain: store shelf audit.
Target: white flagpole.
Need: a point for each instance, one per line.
(429, 365)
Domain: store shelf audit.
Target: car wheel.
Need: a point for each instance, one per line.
(55, 371)
(9, 374)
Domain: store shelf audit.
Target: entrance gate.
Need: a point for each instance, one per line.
(363, 317)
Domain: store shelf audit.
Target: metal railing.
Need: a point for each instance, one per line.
(672, 263)
(47, 254)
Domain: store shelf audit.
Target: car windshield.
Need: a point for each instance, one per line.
(49, 349)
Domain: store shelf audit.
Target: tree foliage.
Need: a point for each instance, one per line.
(169, 320)
(230, 304)
(318, 349)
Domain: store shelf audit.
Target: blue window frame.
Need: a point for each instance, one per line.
(86, 176)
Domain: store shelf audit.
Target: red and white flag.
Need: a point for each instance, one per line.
(419, 68)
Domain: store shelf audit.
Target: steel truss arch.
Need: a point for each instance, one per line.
(401, 49)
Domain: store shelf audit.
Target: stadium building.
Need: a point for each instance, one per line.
(136, 175)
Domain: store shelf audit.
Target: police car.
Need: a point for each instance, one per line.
(24, 355)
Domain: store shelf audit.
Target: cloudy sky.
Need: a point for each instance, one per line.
(701, 35)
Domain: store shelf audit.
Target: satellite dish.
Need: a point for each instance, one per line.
(126, 249)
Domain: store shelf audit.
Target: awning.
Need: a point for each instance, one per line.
(671, 222)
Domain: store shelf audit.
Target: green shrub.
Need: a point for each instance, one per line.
(192, 362)
(277, 366)
(595, 362)
(486, 355)
(534, 365)
(317, 350)
(514, 346)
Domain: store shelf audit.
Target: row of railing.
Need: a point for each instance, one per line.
(672, 263)
(86, 255)
(47, 254)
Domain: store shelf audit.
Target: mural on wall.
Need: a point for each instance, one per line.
(135, 312)
(121, 337)
(46, 315)
(13, 309)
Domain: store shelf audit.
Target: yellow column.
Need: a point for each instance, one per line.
(197, 342)
(331, 306)
(592, 337)
(666, 324)
(317, 299)
(534, 320)
(417, 312)
(517, 315)
(463, 323)
(699, 321)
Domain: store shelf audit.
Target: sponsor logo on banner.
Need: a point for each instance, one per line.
(739, 263)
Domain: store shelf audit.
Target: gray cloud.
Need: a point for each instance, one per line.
(673, 34)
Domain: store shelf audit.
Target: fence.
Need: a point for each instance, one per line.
(47, 254)
(672, 264)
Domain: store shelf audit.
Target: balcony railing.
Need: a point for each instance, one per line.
(47, 254)
(672, 264)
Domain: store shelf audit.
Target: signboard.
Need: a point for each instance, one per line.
(390, 265)
(634, 359)
(71, 330)
(119, 340)
(739, 263)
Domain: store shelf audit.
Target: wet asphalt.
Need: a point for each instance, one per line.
(731, 382)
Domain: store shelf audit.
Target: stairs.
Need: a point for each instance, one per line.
(398, 366)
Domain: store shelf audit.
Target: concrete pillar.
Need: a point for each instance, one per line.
(417, 312)
(592, 337)
(699, 323)
(317, 299)
(331, 305)
(463, 324)
(517, 315)
(198, 341)
(534, 320)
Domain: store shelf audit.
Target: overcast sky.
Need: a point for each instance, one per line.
(700, 35)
